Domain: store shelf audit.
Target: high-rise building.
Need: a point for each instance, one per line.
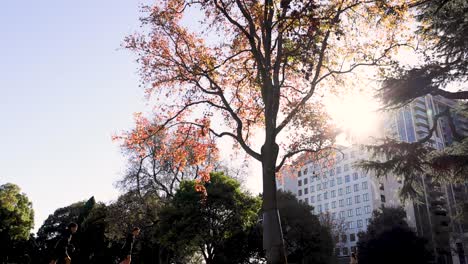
(438, 209)
(350, 195)
(347, 194)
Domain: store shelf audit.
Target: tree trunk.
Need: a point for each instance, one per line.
(272, 233)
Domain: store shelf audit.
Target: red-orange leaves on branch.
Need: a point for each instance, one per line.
(261, 66)
(160, 156)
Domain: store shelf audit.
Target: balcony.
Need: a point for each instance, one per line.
(439, 210)
(438, 201)
(420, 104)
(420, 121)
(420, 113)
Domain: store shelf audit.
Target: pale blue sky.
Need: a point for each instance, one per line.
(66, 86)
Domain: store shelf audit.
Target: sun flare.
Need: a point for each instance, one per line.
(355, 114)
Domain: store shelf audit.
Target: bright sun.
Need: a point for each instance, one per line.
(355, 114)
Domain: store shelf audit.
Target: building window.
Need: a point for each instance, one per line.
(338, 170)
(341, 202)
(319, 208)
(325, 196)
(346, 167)
(306, 190)
(353, 249)
(364, 185)
(357, 199)
(312, 188)
(319, 198)
(363, 174)
(305, 171)
(333, 216)
(305, 181)
(365, 197)
(381, 186)
(356, 187)
(342, 214)
(332, 182)
(299, 173)
(355, 176)
(325, 185)
(358, 211)
(348, 189)
(350, 212)
(347, 179)
(345, 251)
(367, 209)
(312, 199)
(382, 198)
(337, 251)
(339, 180)
(326, 207)
(333, 205)
(332, 172)
(319, 187)
(306, 200)
(349, 201)
(350, 224)
(299, 183)
(344, 238)
(340, 191)
(333, 194)
(299, 193)
(359, 223)
(352, 237)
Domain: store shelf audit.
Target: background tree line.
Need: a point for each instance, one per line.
(222, 227)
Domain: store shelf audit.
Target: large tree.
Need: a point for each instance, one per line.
(389, 239)
(216, 226)
(16, 219)
(258, 64)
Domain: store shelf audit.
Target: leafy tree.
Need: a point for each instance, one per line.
(160, 159)
(307, 239)
(132, 209)
(16, 221)
(56, 224)
(216, 226)
(269, 70)
(389, 239)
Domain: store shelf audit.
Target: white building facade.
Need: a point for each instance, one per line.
(348, 194)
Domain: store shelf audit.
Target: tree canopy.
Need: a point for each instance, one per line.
(215, 226)
(16, 221)
(389, 239)
(443, 72)
(16, 213)
(269, 69)
(307, 239)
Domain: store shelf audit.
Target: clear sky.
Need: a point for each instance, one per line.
(66, 86)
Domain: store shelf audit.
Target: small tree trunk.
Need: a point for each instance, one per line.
(272, 233)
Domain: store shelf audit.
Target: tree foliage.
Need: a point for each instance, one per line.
(269, 70)
(389, 239)
(215, 226)
(307, 239)
(16, 222)
(16, 213)
(443, 32)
